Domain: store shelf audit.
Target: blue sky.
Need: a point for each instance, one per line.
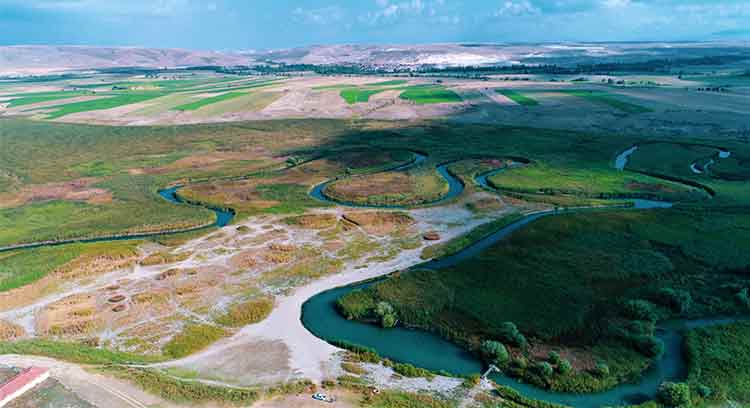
(255, 24)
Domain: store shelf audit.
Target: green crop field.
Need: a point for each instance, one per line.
(106, 102)
(518, 97)
(209, 101)
(39, 97)
(607, 99)
(358, 95)
(429, 94)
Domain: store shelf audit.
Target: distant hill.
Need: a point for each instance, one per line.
(43, 59)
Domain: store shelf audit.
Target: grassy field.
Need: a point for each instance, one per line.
(108, 101)
(423, 95)
(358, 95)
(588, 267)
(541, 178)
(518, 97)
(19, 268)
(39, 97)
(719, 361)
(607, 99)
(209, 101)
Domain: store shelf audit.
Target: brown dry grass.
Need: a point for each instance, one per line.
(10, 331)
(160, 258)
(314, 221)
(74, 315)
(75, 190)
(380, 222)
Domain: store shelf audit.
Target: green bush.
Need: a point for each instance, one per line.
(544, 369)
(408, 370)
(564, 367)
(678, 300)
(704, 391)
(495, 351)
(640, 309)
(387, 314)
(649, 346)
(508, 333)
(674, 394)
(601, 369)
(554, 357)
(193, 338)
(355, 305)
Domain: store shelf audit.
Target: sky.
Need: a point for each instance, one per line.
(271, 24)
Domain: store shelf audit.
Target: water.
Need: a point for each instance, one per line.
(622, 159)
(724, 154)
(224, 216)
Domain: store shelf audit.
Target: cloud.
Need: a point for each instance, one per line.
(516, 8)
(319, 16)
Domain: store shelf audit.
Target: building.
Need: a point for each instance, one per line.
(24, 381)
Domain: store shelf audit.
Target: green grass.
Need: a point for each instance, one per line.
(398, 399)
(358, 95)
(457, 244)
(719, 358)
(541, 178)
(423, 95)
(73, 352)
(107, 102)
(193, 338)
(29, 99)
(607, 99)
(19, 268)
(208, 101)
(585, 266)
(393, 82)
(518, 97)
(183, 391)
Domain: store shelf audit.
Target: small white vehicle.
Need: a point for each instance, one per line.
(320, 397)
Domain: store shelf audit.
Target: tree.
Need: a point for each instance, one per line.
(495, 351)
(387, 314)
(640, 309)
(564, 367)
(601, 369)
(544, 369)
(509, 333)
(554, 357)
(674, 394)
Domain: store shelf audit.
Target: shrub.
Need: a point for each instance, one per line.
(674, 394)
(640, 309)
(408, 370)
(564, 367)
(704, 391)
(544, 369)
(356, 304)
(495, 351)
(554, 357)
(601, 369)
(743, 297)
(250, 312)
(649, 346)
(520, 362)
(508, 333)
(386, 313)
(679, 301)
(193, 338)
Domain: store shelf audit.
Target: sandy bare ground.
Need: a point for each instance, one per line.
(309, 356)
(499, 98)
(99, 390)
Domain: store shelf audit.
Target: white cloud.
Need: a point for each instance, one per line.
(515, 8)
(321, 16)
